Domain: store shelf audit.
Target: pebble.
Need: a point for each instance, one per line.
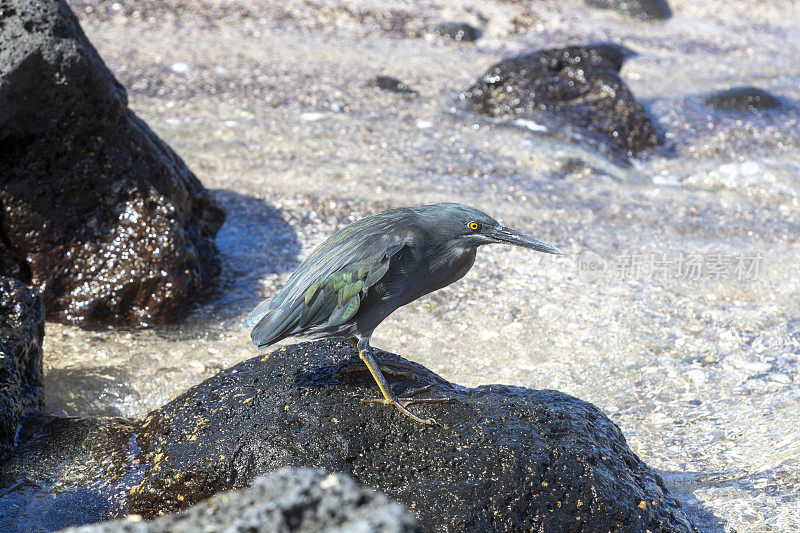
(757, 367)
(180, 68)
(196, 366)
(697, 375)
(313, 116)
(457, 31)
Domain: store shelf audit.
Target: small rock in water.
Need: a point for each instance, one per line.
(640, 9)
(742, 99)
(758, 367)
(575, 91)
(457, 31)
(180, 68)
(529, 125)
(388, 83)
(779, 377)
(313, 116)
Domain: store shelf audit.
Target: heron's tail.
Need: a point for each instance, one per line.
(274, 325)
(257, 314)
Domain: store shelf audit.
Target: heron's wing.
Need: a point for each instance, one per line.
(328, 302)
(371, 237)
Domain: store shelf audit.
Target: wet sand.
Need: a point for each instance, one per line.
(273, 109)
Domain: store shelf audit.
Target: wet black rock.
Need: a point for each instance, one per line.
(640, 9)
(388, 83)
(502, 458)
(574, 91)
(66, 471)
(97, 212)
(21, 332)
(743, 100)
(457, 31)
(289, 499)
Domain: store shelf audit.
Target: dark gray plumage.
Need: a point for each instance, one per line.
(367, 270)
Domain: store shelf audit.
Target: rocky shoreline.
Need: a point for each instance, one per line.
(300, 117)
(499, 458)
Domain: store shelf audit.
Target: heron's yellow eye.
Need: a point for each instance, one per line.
(474, 226)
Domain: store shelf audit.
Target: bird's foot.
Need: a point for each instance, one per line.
(389, 397)
(393, 371)
(398, 367)
(407, 398)
(401, 406)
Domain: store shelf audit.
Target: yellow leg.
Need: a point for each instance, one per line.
(383, 385)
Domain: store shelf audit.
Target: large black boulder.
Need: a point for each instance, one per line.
(500, 458)
(299, 500)
(96, 211)
(21, 332)
(574, 91)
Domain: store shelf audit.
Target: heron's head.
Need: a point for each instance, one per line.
(467, 227)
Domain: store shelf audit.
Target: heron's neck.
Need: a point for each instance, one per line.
(458, 262)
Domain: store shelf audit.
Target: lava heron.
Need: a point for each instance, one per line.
(363, 272)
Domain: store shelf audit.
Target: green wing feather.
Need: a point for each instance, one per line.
(336, 299)
(327, 288)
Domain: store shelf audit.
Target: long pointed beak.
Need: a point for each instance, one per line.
(512, 236)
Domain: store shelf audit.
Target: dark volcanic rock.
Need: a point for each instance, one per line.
(742, 99)
(289, 499)
(97, 212)
(503, 458)
(640, 9)
(66, 471)
(388, 83)
(21, 332)
(576, 91)
(457, 31)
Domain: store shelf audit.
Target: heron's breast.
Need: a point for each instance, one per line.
(441, 271)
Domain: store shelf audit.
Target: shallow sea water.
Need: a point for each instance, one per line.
(676, 310)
